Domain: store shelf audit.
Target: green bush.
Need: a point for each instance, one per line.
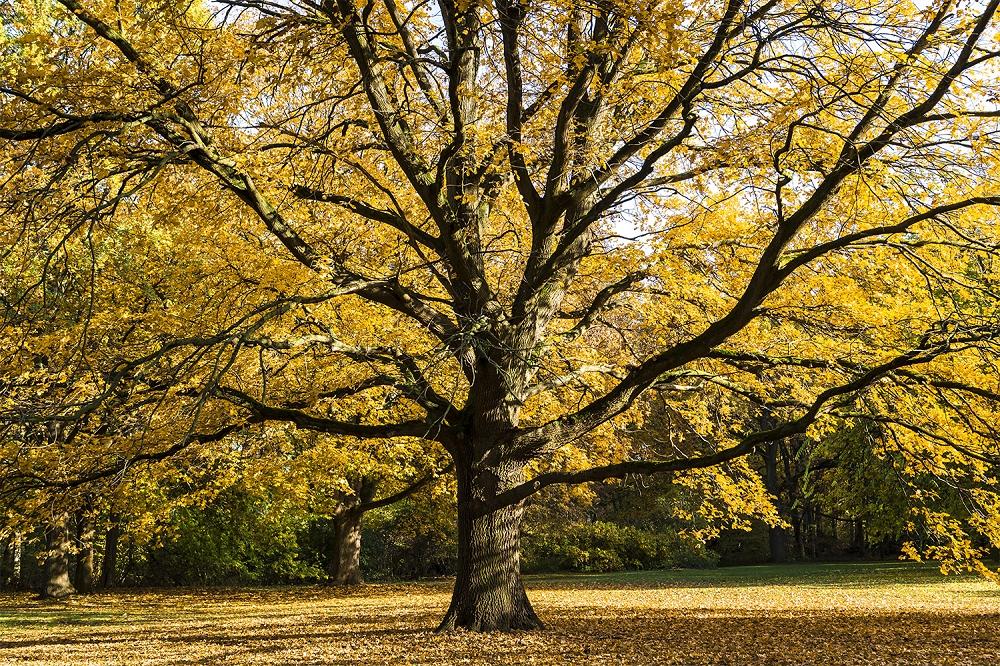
(739, 547)
(415, 538)
(235, 539)
(601, 546)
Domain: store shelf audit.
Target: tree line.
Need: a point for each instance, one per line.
(243, 534)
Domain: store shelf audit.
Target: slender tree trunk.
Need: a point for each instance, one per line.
(345, 558)
(777, 537)
(489, 594)
(800, 547)
(109, 565)
(17, 579)
(860, 542)
(815, 523)
(85, 554)
(7, 564)
(778, 544)
(57, 544)
(129, 560)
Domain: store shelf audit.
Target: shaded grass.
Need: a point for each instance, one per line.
(884, 613)
(840, 575)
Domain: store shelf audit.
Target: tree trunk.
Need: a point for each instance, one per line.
(778, 544)
(860, 541)
(7, 564)
(800, 548)
(85, 554)
(814, 521)
(345, 558)
(777, 538)
(109, 565)
(489, 594)
(57, 549)
(17, 577)
(129, 560)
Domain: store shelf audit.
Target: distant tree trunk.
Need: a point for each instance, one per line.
(345, 557)
(489, 594)
(807, 533)
(800, 547)
(17, 580)
(344, 563)
(777, 537)
(814, 532)
(860, 542)
(129, 568)
(85, 553)
(778, 544)
(109, 565)
(57, 551)
(7, 564)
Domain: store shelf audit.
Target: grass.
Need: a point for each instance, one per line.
(889, 613)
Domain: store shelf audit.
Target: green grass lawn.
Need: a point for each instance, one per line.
(841, 574)
(872, 613)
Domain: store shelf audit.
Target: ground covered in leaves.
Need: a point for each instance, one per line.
(829, 614)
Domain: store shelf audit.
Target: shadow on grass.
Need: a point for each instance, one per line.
(835, 576)
(585, 634)
(33, 618)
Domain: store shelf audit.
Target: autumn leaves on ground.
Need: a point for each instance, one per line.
(817, 614)
(492, 286)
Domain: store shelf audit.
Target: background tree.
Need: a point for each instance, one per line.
(58, 545)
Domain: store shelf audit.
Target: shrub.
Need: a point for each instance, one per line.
(234, 539)
(415, 538)
(601, 546)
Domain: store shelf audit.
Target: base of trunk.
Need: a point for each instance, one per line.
(345, 558)
(109, 565)
(84, 578)
(57, 584)
(489, 594)
(51, 593)
(502, 611)
(350, 580)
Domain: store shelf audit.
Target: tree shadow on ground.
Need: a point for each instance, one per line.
(834, 576)
(585, 633)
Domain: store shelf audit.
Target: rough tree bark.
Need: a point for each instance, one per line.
(345, 559)
(344, 564)
(109, 565)
(84, 577)
(777, 535)
(860, 541)
(489, 594)
(57, 543)
(7, 563)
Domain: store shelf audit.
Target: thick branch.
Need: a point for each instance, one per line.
(299, 418)
(405, 492)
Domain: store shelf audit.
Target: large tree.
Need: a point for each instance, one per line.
(492, 227)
